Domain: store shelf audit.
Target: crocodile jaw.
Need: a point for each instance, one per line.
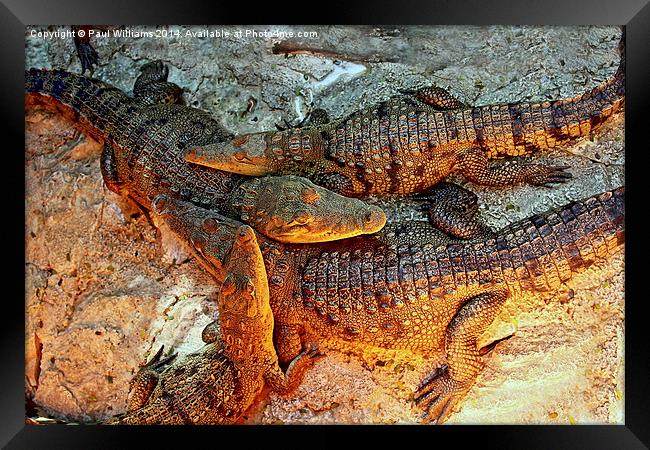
(243, 155)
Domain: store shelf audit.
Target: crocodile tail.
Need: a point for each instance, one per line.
(92, 105)
(542, 252)
(541, 126)
(575, 117)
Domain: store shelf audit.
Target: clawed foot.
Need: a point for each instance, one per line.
(156, 363)
(546, 176)
(145, 381)
(300, 364)
(437, 396)
(287, 382)
(87, 56)
(453, 210)
(309, 355)
(461, 199)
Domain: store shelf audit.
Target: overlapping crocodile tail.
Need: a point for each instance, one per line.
(577, 116)
(538, 126)
(98, 108)
(543, 251)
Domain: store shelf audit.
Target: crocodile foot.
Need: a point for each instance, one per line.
(285, 384)
(438, 395)
(87, 56)
(474, 164)
(309, 355)
(541, 175)
(154, 71)
(453, 210)
(145, 381)
(151, 87)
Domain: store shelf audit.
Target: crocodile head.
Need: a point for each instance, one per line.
(244, 155)
(292, 209)
(244, 298)
(209, 235)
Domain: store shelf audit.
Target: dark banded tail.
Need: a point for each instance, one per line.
(540, 126)
(541, 252)
(98, 108)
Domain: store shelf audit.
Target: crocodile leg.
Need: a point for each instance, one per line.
(284, 383)
(87, 54)
(464, 362)
(151, 87)
(435, 97)
(454, 210)
(474, 164)
(246, 319)
(109, 170)
(288, 342)
(145, 381)
(292, 209)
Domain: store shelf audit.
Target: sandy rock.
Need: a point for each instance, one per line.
(105, 288)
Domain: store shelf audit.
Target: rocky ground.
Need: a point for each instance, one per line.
(104, 288)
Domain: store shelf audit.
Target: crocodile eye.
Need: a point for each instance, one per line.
(250, 287)
(238, 141)
(210, 225)
(309, 195)
(302, 218)
(198, 242)
(228, 286)
(160, 203)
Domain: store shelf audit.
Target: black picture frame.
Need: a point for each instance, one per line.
(634, 14)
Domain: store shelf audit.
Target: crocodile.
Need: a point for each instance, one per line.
(144, 137)
(411, 287)
(410, 142)
(218, 383)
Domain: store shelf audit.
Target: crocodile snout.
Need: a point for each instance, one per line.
(374, 220)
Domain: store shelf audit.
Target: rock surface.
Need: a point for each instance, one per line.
(105, 288)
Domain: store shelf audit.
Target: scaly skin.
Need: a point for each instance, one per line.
(217, 384)
(409, 143)
(145, 137)
(400, 289)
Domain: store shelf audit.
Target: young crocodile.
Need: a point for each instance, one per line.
(408, 143)
(217, 384)
(399, 289)
(144, 138)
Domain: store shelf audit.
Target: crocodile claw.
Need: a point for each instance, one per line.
(87, 56)
(312, 351)
(286, 126)
(547, 176)
(315, 117)
(437, 397)
(156, 362)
